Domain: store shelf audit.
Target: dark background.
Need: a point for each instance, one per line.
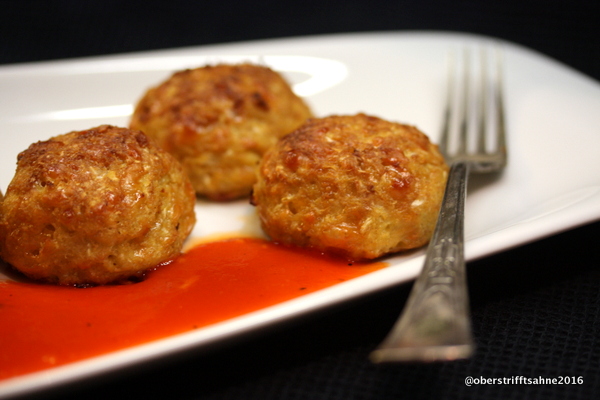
(536, 308)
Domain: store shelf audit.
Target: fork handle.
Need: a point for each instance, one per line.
(435, 324)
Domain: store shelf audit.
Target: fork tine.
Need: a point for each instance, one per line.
(448, 109)
(465, 103)
(483, 104)
(459, 105)
(499, 91)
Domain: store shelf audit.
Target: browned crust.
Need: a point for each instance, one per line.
(356, 185)
(218, 121)
(95, 206)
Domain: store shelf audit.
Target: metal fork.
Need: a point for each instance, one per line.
(435, 324)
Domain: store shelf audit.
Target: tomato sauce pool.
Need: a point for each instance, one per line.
(43, 326)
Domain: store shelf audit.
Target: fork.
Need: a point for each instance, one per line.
(435, 324)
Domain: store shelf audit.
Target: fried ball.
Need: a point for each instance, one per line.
(218, 121)
(95, 206)
(358, 186)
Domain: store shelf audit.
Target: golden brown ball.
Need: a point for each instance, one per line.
(358, 186)
(94, 207)
(218, 121)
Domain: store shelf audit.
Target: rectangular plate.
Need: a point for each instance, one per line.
(551, 182)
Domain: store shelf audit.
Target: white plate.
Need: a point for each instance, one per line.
(551, 183)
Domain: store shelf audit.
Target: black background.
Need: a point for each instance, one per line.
(536, 308)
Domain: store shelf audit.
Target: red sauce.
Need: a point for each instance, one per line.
(42, 326)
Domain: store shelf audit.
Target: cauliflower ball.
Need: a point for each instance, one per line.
(93, 207)
(357, 185)
(218, 121)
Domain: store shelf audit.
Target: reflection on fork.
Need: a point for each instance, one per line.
(435, 324)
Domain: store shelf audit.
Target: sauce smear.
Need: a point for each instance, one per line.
(43, 326)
